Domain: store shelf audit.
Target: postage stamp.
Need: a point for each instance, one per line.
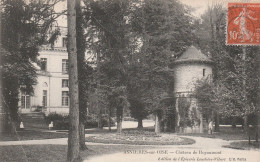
(243, 24)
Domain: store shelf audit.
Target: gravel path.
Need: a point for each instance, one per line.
(204, 150)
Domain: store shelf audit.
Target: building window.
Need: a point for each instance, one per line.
(65, 98)
(44, 98)
(204, 72)
(65, 83)
(65, 66)
(43, 64)
(64, 42)
(25, 101)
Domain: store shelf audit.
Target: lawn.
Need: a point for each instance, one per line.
(226, 133)
(43, 153)
(31, 135)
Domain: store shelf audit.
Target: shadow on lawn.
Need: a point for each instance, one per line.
(30, 135)
(43, 153)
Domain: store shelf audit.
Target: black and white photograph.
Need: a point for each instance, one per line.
(129, 80)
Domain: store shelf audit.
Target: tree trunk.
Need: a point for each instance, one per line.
(109, 123)
(80, 41)
(165, 126)
(13, 127)
(244, 86)
(216, 121)
(157, 124)
(258, 100)
(73, 137)
(109, 119)
(82, 144)
(119, 126)
(100, 126)
(140, 123)
(234, 120)
(10, 104)
(256, 128)
(177, 114)
(246, 124)
(98, 91)
(201, 123)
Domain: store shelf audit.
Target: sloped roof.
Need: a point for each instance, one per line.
(192, 54)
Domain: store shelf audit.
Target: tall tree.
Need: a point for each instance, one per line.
(258, 99)
(135, 90)
(156, 25)
(73, 137)
(163, 28)
(118, 99)
(83, 72)
(24, 27)
(234, 73)
(108, 28)
(213, 21)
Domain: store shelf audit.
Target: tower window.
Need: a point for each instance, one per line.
(43, 64)
(204, 72)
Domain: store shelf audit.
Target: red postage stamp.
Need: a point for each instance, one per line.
(243, 26)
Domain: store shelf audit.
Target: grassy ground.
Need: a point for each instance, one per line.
(244, 145)
(226, 133)
(31, 135)
(43, 153)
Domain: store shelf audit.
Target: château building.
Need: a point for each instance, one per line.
(51, 93)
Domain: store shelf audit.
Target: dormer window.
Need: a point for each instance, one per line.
(204, 72)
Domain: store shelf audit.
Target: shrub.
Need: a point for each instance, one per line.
(60, 122)
(39, 109)
(105, 121)
(54, 116)
(61, 125)
(92, 121)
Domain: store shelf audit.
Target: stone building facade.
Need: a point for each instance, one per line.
(51, 94)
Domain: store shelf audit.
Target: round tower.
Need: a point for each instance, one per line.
(191, 66)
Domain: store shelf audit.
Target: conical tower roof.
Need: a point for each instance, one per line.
(192, 54)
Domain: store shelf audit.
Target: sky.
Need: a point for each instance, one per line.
(200, 6)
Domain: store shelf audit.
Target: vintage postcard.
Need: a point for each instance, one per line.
(130, 80)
